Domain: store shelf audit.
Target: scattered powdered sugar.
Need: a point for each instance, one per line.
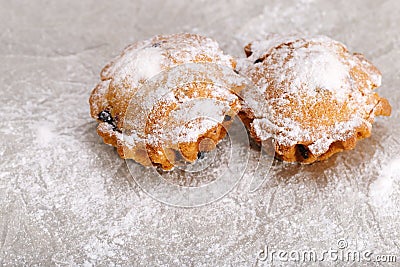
(381, 190)
(44, 133)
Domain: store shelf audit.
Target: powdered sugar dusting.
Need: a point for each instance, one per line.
(44, 133)
(139, 65)
(381, 190)
(317, 68)
(144, 59)
(197, 110)
(194, 118)
(294, 132)
(147, 63)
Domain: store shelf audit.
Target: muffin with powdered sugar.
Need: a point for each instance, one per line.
(166, 100)
(314, 98)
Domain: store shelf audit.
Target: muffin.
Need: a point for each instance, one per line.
(166, 100)
(313, 97)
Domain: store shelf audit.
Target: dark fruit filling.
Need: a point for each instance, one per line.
(227, 118)
(303, 151)
(105, 116)
(201, 155)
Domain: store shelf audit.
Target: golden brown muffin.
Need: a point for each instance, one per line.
(314, 97)
(165, 100)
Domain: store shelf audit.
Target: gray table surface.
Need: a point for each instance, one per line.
(68, 199)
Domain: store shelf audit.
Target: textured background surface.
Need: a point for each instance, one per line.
(66, 198)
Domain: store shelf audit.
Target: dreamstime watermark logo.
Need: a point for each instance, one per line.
(151, 118)
(340, 253)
